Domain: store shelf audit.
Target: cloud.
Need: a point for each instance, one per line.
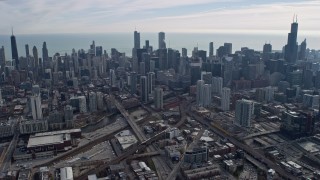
(57, 16)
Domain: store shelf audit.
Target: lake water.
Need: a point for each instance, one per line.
(64, 43)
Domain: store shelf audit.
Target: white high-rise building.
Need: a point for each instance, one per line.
(217, 83)
(206, 95)
(225, 99)
(35, 103)
(199, 99)
(151, 82)
(93, 102)
(244, 112)
(158, 98)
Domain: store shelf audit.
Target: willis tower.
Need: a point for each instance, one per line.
(291, 49)
(14, 51)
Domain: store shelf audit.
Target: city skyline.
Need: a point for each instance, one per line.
(45, 17)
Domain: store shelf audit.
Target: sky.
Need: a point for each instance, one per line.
(191, 16)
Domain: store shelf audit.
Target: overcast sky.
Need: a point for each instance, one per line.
(200, 16)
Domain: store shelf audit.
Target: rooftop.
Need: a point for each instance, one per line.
(35, 141)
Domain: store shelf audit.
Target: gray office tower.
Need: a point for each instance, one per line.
(162, 43)
(144, 89)
(45, 56)
(27, 50)
(291, 49)
(14, 50)
(210, 49)
(136, 40)
(133, 82)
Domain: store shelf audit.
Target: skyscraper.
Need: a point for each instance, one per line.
(206, 95)
(144, 89)
(14, 50)
(291, 49)
(36, 60)
(244, 112)
(158, 98)
(210, 49)
(133, 82)
(225, 99)
(2, 59)
(199, 97)
(162, 43)
(112, 77)
(267, 50)
(27, 50)
(151, 82)
(45, 56)
(217, 83)
(136, 40)
(228, 48)
(303, 49)
(35, 102)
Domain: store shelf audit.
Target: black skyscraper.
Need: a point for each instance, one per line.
(45, 56)
(303, 49)
(14, 51)
(291, 49)
(27, 50)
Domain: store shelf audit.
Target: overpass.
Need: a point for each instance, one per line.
(261, 133)
(102, 165)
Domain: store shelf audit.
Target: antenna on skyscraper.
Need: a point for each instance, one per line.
(294, 15)
(12, 30)
(296, 18)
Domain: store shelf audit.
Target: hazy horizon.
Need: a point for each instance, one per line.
(202, 16)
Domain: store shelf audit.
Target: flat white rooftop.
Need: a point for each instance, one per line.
(35, 141)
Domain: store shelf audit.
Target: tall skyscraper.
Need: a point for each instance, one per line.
(206, 95)
(151, 82)
(136, 40)
(210, 49)
(35, 102)
(45, 56)
(36, 61)
(112, 76)
(267, 50)
(291, 49)
(225, 99)
(162, 43)
(27, 50)
(217, 83)
(2, 59)
(244, 112)
(158, 98)
(303, 49)
(199, 97)
(184, 52)
(133, 82)
(144, 89)
(228, 48)
(14, 50)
